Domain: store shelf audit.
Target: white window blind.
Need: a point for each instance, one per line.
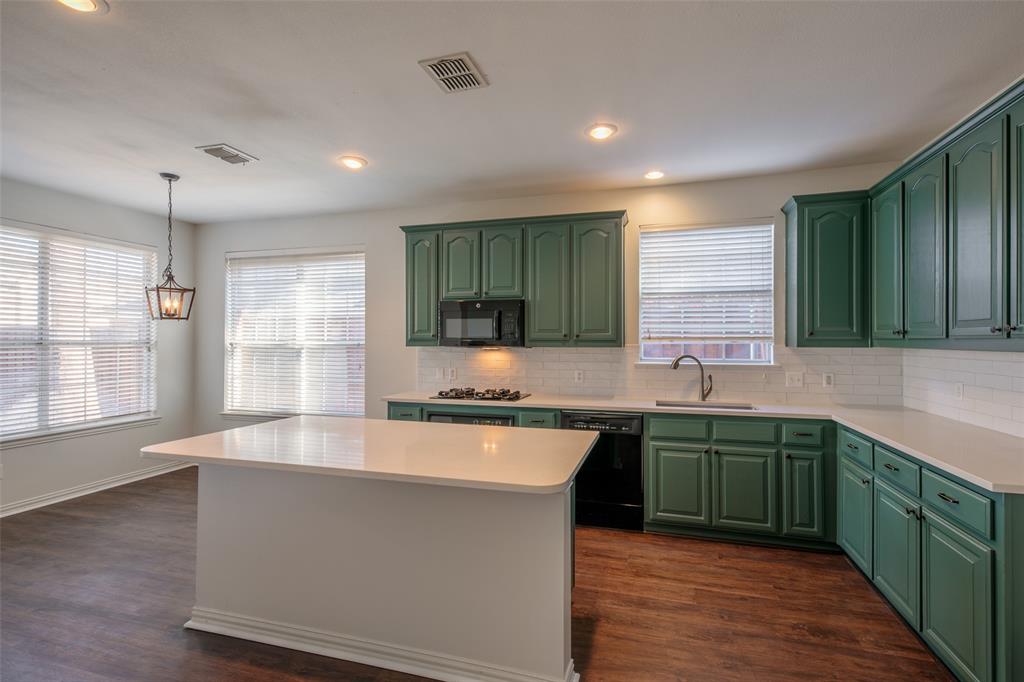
(77, 344)
(295, 336)
(707, 292)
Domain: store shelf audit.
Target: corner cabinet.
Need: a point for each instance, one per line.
(567, 268)
(827, 270)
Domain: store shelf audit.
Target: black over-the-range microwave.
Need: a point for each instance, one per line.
(481, 323)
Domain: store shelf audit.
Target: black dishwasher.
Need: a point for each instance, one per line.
(610, 484)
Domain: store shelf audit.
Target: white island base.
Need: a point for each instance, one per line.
(444, 582)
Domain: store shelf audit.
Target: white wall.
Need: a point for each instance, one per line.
(391, 366)
(37, 473)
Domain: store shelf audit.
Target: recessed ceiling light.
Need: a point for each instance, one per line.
(654, 175)
(88, 6)
(352, 162)
(602, 131)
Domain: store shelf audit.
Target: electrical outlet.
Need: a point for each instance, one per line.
(958, 391)
(828, 380)
(578, 376)
(794, 379)
(453, 374)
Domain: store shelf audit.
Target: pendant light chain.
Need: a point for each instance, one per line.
(170, 251)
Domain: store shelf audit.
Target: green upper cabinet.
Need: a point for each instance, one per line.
(827, 270)
(887, 264)
(421, 256)
(597, 282)
(460, 264)
(977, 233)
(745, 494)
(1017, 219)
(503, 262)
(924, 238)
(548, 281)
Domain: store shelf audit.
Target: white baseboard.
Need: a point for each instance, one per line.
(87, 488)
(378, 654)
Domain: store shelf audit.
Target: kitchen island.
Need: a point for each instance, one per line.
(441, 550)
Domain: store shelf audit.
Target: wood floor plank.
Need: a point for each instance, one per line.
(97, 588)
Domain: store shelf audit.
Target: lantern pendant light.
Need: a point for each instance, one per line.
(169, 300)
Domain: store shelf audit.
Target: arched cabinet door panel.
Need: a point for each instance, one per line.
(924, 238)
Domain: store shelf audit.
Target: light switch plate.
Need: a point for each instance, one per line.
(794, 379)
(828, 380)
(958, 391)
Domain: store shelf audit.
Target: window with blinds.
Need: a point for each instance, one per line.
(295, 334)
(707, 292)
(77, 345)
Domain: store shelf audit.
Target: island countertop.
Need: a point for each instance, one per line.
(483, 457)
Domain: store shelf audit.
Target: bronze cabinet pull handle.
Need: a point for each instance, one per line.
(852, 446)
(946, 498)
(890, 467)
(802, 434)
(865, 481)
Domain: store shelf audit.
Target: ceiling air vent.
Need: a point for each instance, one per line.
(227, 153)
(455, 72)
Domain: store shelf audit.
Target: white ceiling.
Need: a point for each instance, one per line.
(99, 104)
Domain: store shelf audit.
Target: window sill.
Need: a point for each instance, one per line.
(92, 429)
(255, 416)
(709, 363)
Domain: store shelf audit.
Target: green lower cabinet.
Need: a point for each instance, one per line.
(678, 483)
(408, 413)
(897, 551)
(957, 613)
(803, 494)
(855, 513)
(745, 494)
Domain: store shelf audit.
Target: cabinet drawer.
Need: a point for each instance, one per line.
(410, 413)
(675, 427)
(856, 448)
(538, 420)
(803, 434)
(953, 500)
(759, 431)
(898, 470)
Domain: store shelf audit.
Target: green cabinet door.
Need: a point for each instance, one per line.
(460, 264)
(503, 262)
(855, 513)
(887, 264)
(678, 488)
(957, 611)
(1017, 219)
(924, 238)
(744, 493)
(897, 551)
(421, 288)
(548, 284)
(597, 283)
(977, 234)
(803, 494)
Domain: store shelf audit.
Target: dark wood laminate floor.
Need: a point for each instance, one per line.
(97, 588)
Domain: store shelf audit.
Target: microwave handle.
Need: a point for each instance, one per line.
(496, 332)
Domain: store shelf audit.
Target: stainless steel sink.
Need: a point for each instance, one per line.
(708, 405)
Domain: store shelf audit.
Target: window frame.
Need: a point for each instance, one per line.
(770, 342)
(103, 424)
(258, 415)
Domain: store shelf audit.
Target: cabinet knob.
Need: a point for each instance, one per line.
(810, 333)
(577, 336)
(789, 456)
(996, 330)
(1014, 327)
(865, 481)
(897, 332)
(565, 336)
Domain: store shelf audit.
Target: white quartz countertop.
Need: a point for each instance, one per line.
(482, 457)
(989, 459)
